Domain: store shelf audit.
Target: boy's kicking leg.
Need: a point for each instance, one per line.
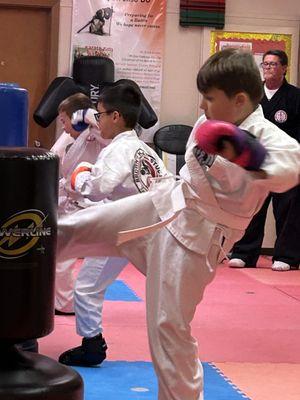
(93, 231)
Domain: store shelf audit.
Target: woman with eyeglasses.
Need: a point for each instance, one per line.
(281, 105)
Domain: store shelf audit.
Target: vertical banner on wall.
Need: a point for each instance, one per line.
(131, 33)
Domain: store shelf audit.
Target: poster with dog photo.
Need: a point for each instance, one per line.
(131, 33)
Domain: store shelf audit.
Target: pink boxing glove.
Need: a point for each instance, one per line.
(211, 136)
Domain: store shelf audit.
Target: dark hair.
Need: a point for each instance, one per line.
(78, 101)
(233, 71)
(125, 99)
(283, 58)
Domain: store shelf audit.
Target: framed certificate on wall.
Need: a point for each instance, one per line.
(257, 43)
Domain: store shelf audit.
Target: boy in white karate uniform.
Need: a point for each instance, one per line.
(125, 167)
(80, 141)
(210, 206)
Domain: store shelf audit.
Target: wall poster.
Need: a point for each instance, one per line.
(131, 33)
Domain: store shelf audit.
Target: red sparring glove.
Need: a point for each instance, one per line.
(212, 135)
(80, 174)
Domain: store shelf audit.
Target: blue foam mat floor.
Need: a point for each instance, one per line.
(119, 291)
(116, 380)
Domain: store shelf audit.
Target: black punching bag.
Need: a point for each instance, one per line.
(28, 212)
(148, 117)
(89, 73)
(58, 90)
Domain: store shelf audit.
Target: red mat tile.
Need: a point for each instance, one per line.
(265, 381)
(244, 320)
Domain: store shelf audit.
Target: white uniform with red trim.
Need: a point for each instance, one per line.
(124, 168)
(216, 203)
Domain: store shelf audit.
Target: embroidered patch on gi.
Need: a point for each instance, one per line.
(144, 168)
(280, 116)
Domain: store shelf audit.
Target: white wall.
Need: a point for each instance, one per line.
(65, 30)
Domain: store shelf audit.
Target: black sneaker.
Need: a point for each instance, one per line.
(91, 352)
(58, 312)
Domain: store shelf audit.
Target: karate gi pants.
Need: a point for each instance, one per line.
(95, 275)
(64, 285)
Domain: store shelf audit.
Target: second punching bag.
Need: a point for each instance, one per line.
(59, 89)
(88, 74)
(147, 118)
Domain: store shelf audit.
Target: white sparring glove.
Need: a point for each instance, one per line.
(81, 119)
(80, 175)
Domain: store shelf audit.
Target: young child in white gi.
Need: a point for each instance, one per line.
(125, 167)
(80, 141)
(217, 199)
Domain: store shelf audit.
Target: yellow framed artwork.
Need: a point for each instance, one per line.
(255, 42)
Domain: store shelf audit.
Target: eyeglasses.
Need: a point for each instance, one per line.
(98, 115)
(271, 64)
